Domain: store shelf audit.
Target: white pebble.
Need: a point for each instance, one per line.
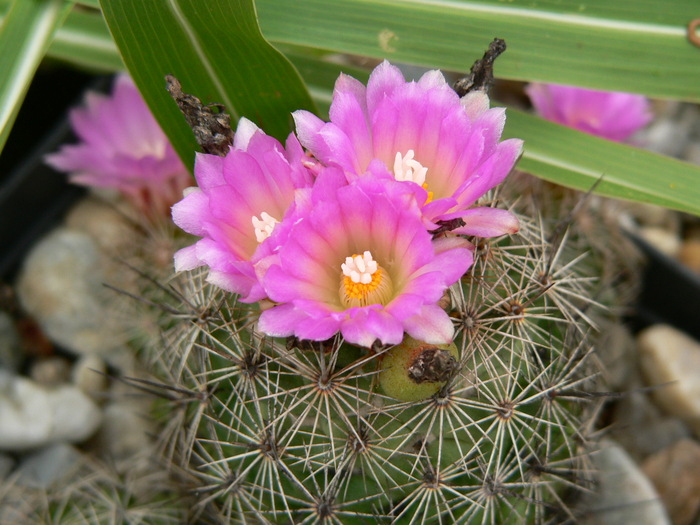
(32, 416)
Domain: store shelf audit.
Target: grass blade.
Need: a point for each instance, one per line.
(25, 36)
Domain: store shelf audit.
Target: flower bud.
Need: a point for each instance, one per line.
(413, 370)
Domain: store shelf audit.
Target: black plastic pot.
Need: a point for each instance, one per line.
(670, 293)
(33, 197)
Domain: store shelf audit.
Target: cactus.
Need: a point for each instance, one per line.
(94, 491)
(287, 431)
(492, 427)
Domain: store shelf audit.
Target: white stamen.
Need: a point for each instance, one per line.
(360, 268)
(263, 226)
(407, 168)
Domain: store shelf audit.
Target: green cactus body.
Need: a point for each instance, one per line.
(281, 431)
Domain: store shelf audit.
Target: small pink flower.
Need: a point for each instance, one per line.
(425, 135)
(611, 115)
(123, 148)
(360, 262)
(239, 209)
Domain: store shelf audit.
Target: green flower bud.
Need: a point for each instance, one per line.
(413, 370)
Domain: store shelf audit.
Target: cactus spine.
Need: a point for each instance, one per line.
(275, 431)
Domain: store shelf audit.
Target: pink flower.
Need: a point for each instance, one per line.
(361, 263)
(611, 115)
(123, 148)
(239, 209)
(425, 135)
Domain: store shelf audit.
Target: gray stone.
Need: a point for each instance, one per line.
(126, 430)
(25, 414)
(618, 357)
(60, 285)
(671, 131)
(42, 468)
(76, 416)
(671, 360)
(103, 221)
(32, 416)
(641, 427)
(625, 496)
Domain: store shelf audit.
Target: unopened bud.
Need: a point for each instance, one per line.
(413, 370)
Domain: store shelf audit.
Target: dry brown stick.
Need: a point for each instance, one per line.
(211, 129)
(480, 76)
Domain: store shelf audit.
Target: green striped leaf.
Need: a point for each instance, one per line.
(219, 55)
(625, 45)
(84, 40)
(25, 36)
(577, 160)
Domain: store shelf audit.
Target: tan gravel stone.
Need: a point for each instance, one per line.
(670, 360)
(675, 472)
(689, 254)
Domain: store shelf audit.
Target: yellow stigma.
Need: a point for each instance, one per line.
(430, 193)
(364, 282)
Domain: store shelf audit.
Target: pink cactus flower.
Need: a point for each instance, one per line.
(361, 262)
(425, 135)
(122, 147)
(239, 209)
(611, 115)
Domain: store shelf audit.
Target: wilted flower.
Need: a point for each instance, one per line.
(611, 115)
(123, 148)
(238, 207)
(361, 263)
(424, 134)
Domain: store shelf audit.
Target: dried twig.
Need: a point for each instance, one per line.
(211, 129)
(480, 76)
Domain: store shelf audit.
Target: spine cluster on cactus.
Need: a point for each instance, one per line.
(289, 431)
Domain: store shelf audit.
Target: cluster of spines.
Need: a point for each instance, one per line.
(258, 430)
(298, 432)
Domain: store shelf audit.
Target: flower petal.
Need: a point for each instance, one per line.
(281, 321)
(488, 222)
(431, 325)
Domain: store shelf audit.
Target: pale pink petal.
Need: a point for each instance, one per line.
(186, 259)
(365, 325)
(488, 222)
(244, 131)
(307, 127)
(475, 103)
(281, 320)
(610, 115)
(431, 325)
(381, 84)
(432, 79)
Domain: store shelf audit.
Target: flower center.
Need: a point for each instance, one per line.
(364, 282)
(263, 226)
(407, 168)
